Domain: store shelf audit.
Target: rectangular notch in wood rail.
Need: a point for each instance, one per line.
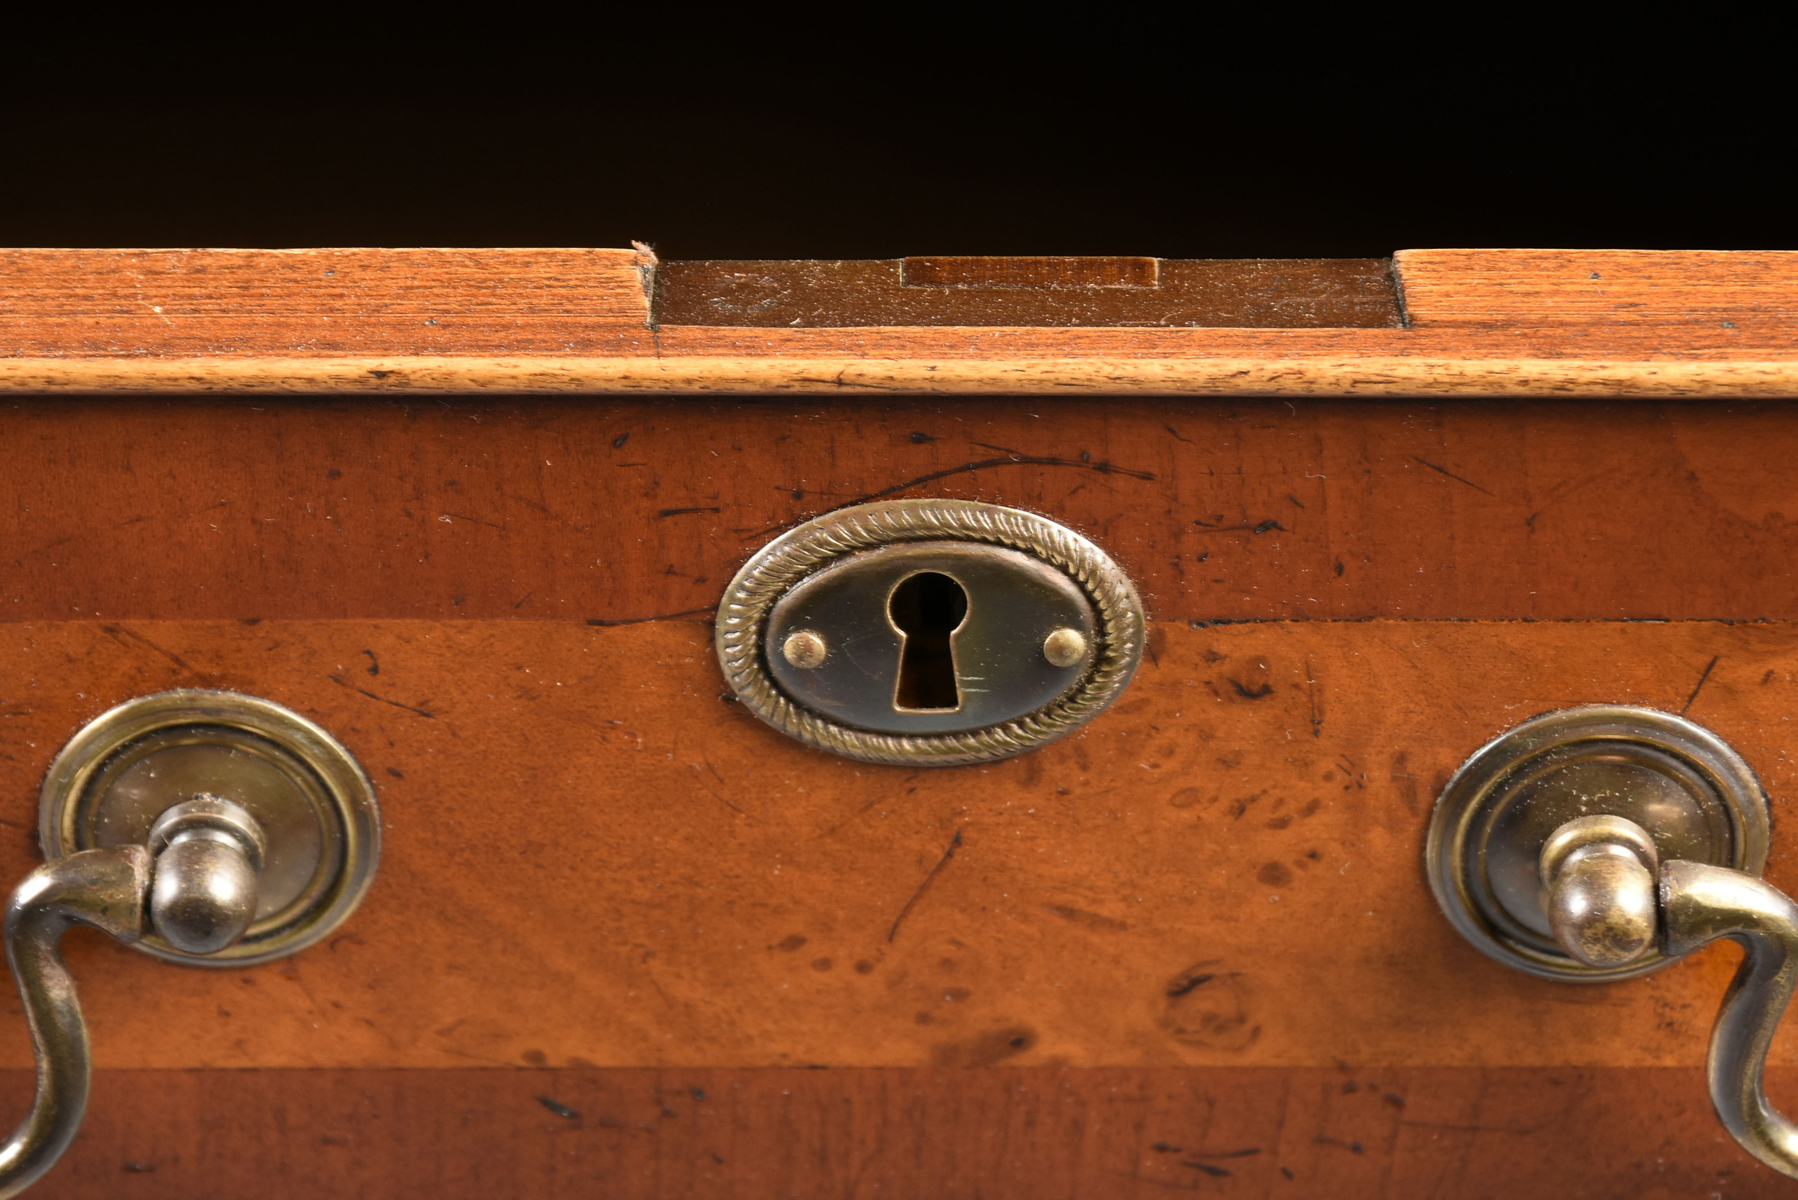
(1315, 293)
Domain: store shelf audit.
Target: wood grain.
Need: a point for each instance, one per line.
(592, 858)
(1727, 289)
(1491, 322)
(209, 304)
(620, 511)
(1204, 364)
(1341, 1133)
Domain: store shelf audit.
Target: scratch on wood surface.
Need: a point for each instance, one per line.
(560, 1109)
(1317, 716)
(392, 1041)
(47, 547)
(1251, 527)
(837, 380)
(1457, 478)
(604, 623)
(538, 506)
(412, 708)
(119, 633)
(446, 519)
(942, 862)
(858, 812)
(715, 793)
(1193, 977)
(1708, 667)
(1080, 916)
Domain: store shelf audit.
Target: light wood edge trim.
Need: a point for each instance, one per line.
(1533, 288)
(1347, 375)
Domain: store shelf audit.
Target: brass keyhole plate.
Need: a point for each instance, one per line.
(1011, 602)
(1676, 779)
(807, 638)
(314, 803)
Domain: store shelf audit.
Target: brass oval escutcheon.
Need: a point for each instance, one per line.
(929, 632)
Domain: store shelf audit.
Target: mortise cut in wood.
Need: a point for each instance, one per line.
(1030, 293)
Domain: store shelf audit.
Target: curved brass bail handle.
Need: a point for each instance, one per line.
(1699, 904)
(195, 884)
(107, 889)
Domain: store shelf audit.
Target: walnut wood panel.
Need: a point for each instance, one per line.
(609, 512)
(593, 858)
(577, 320)
(1343, 1132)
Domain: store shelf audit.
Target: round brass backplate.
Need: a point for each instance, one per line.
(1681, 782)
(314, 803)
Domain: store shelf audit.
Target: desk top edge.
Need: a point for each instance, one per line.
(1664, 323)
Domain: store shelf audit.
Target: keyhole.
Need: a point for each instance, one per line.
(927, 608)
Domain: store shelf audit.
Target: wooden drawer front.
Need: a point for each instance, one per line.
(619, 922)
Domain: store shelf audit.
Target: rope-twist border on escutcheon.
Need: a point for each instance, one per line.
(781, 564)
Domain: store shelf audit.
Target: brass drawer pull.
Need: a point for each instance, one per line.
(102, 888)
(1600, 843)
(1701, 903)
(261, 871)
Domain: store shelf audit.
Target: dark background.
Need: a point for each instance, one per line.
(1125, 137)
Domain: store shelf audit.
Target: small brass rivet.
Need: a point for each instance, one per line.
(1064, 647)
(804, 649)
